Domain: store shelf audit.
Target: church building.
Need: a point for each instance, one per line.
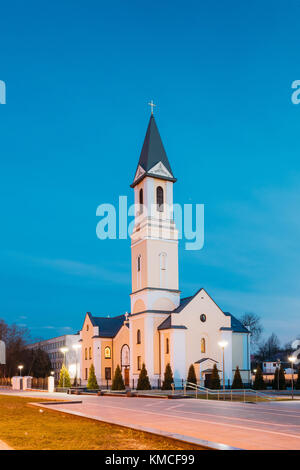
(162, 327)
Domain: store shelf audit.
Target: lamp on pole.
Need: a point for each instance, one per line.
(223, 345)
(76, 347)
(292, 359)
(64, 351)
(278, 366)
(20, 367)
(254, 370)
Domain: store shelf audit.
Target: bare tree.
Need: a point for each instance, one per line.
(15, 339)
(269, 348)
(253, 323)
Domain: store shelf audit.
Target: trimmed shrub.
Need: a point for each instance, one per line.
(214, 382)
(64, 377)
(297, 383)
(192, 375)
(92, 381)
(168, 378)
(118, 382)
(279, 379)
(143, 381)
(259, 383)
(237, 379)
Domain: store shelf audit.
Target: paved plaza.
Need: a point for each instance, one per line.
(265, 425)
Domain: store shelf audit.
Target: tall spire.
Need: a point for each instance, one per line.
(153, 159)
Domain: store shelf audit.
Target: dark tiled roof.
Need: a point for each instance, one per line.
(108, 327)
(236, 325)
(185, 300)
(153, 152)
(165, 325)
(183, 303)
(205, 359)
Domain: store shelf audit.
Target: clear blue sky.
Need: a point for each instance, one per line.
(79, 75)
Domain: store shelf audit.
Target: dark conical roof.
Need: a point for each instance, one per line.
(153, 153)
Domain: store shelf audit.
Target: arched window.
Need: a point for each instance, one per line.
(90, 353)
(203, 345)
(125, 361)
(107, 352)
(85, 354)
(141, 200)
(167, 346)
(138, 336)
(160, 198)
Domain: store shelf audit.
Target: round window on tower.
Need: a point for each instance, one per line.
(203, 317)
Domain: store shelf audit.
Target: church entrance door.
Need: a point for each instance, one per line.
(126, 377)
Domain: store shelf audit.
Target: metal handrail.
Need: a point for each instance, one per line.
(236, 391)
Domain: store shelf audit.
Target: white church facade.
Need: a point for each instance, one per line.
(162, 327)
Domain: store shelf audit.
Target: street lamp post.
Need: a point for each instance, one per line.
(254, 370)
(278, 366)
(292, 359)
(64, 350)
(20, 367)
(223, 345)
(76, 347)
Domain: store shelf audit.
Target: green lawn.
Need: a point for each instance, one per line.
(25, 427)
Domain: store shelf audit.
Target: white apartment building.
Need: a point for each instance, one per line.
(54, 346)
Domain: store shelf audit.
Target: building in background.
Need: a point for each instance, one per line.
(269, 369)
(53, 347)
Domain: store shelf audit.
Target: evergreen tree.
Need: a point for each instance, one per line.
(118, 382)
(282, 384)
(92, 381)
(214, 382)
(297, 383)
(143, 382)
(275, 384)
(64, 377)
(192, 375)
(168, 378)
(259, 383)
(237, 379)
(279, 379)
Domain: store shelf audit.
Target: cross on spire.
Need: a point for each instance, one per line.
(152, 105)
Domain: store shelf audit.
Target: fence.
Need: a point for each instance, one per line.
(40, 383)
(5, 382)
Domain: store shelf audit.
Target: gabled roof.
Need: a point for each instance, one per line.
(206, 359)
(108, 327)
(152, 154)
(236, 325)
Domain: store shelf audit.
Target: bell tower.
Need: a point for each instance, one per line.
(154, 241)
(154, 255)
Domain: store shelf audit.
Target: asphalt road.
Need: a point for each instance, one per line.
(271, 425)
